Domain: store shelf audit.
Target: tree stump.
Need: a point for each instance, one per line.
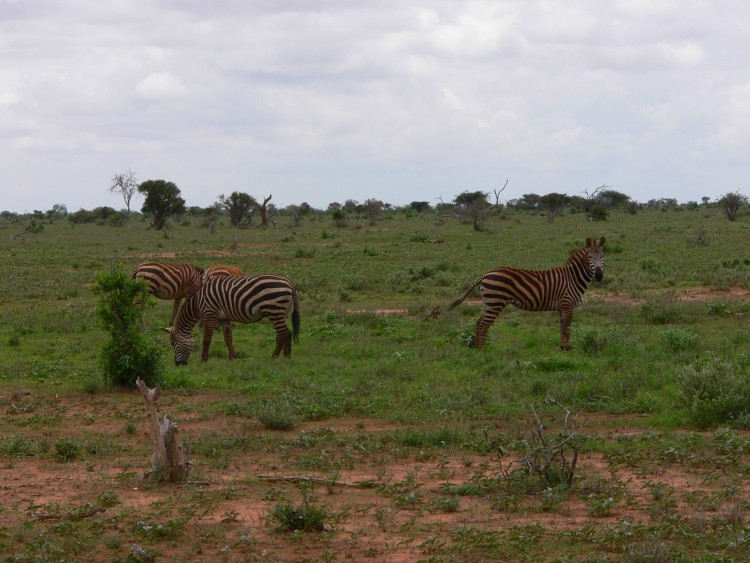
(171, 461)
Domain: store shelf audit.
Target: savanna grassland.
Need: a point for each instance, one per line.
(386, 437)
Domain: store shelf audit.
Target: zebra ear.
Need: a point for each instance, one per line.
(601, 241)
(589, 242)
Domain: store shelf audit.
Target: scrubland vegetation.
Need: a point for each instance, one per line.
(412, 444)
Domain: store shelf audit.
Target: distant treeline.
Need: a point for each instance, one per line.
(371, 208)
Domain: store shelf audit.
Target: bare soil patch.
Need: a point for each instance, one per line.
(692, 294)
(384, 502)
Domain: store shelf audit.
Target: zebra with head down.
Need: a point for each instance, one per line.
(244, 299)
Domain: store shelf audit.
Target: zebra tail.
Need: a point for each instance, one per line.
(465, 295)
(295, 317)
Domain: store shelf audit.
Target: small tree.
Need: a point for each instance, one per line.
(554, 203)
(162, 201)
(420, 206)
(129, 354)
(126, 185)
(239, 206)
(731, 203)
(373, 207)
(297, 212)
(474, 207)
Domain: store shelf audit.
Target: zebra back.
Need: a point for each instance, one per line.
(170, 281)
(217, 270)
(244, 298)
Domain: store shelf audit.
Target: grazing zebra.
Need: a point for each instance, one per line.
(559, 289)
(217, 270)
(170, 281)
(224, 299)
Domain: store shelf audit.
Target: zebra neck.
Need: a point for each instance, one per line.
(578, 265)
(188, 317)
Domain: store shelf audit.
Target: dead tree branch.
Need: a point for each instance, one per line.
(316, 480)
(553, 460)
(170, 460)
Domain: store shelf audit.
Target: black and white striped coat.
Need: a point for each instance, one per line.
(559, 289)
(244, 299)
(171, 282)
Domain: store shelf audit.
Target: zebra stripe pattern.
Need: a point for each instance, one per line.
(217, 270)
(244, 299)
(559, 289)
(170, 281)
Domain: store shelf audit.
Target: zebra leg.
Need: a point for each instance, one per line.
(566, 318)
(227, 330)
(283, 337)
(175, 310)
(484, 323)
(209, 325)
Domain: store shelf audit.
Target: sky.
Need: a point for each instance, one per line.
(397, 100)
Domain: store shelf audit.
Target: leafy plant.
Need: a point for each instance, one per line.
(277, 415)
(714, 391)
(306, 517)
(130, 353)
(66, 449)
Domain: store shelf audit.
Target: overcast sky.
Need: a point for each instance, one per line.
(398, 100)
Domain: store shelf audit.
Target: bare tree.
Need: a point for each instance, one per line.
(266, 211)
(595, 194)
(125, 184)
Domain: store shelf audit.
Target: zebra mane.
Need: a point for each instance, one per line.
(579, 255)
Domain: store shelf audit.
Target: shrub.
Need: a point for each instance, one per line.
(662, 312)
(130, 353)
(306, 517)
(677, 339)
(714, 392)
(598, 213)
(277, 416)
(66, 449)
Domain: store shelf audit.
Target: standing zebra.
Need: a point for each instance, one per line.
(217, 270)
(170, 281)
(559, 289)
(224, 299)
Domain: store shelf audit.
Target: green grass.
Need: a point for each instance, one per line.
(361, 363)
(672, 366)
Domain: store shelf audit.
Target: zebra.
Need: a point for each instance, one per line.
(216, 270)
(244, 299)
(170, 281)
(559, 289)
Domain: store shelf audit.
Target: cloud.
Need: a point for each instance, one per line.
(335, 95)
(161, 86)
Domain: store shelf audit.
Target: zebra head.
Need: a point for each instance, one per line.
(596, 257)
(183, 345)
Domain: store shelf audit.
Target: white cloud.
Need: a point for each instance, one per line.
(160, 85)
(685, 54)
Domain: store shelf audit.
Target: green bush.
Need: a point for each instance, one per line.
(677, 339)
(306, 517)
(277, 416)
(66, 449)
(714, 392)
(130, 353)
(662, 312)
